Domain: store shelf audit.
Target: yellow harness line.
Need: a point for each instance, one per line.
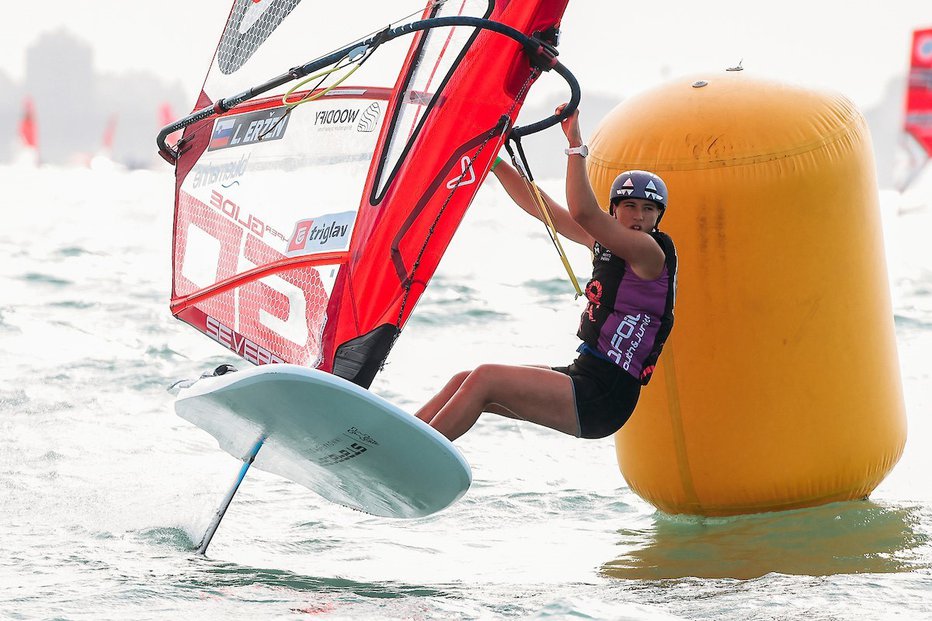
(541, 203)
(321, 74)
(552, 231)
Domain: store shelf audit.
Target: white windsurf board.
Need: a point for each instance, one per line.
(331, 436)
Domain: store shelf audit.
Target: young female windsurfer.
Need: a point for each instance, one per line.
(623, 328)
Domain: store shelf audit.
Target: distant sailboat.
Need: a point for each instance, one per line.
(166, 116)
(913, 168)
(26, 152)
(103, 160)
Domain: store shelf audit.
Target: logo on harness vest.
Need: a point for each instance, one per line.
(624, 331)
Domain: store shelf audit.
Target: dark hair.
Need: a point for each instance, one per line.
(614, 203)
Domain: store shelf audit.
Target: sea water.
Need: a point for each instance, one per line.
(104, 492)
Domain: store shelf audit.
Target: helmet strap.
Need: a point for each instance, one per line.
(659, 218)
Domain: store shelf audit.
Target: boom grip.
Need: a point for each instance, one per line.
(171, 155)
(520, 132)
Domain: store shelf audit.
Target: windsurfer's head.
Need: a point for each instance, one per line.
(635, 186)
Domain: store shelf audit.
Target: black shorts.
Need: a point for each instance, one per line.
(605, 395)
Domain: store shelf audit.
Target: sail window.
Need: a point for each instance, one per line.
(440, 51)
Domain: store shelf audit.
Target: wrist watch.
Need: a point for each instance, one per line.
(583, 151)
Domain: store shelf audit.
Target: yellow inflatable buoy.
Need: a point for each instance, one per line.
(779, 387)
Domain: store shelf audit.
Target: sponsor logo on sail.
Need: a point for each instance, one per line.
(364, 121)
(335, 117)
(249, 128)
(235, 213)
(323, 233)
(467, 175)
(236, 342)
(211, 174)
(370, 118)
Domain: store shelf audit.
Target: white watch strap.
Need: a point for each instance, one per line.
(582, 150)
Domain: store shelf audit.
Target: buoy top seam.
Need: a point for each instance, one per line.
(853, 125)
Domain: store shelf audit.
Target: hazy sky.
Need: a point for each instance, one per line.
(613, 46)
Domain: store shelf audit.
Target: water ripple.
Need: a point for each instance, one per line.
(45, 279)
(222, 575)
(841, 538)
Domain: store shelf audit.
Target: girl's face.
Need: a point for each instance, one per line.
(637, 213)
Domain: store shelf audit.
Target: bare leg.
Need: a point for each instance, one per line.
(430, 409)
(536, 394)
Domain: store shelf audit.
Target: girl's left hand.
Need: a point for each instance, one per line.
(570, 126)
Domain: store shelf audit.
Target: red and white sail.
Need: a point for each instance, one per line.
(26, 151)
(166, 117)
(306, 234)
(104, 159)
(917, 138)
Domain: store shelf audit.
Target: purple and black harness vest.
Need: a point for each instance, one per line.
(628, 319)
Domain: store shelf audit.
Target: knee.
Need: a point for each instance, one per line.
(478, 381)
(460, 377)
(482, 376)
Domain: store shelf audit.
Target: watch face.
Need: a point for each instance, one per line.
(584, 150)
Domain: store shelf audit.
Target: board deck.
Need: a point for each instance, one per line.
(332, 436)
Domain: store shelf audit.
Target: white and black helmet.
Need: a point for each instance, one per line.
(639, 184)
